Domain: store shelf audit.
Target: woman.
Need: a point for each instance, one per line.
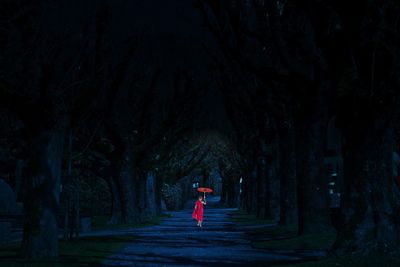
(198, 211)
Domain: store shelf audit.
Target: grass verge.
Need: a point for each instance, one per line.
(285, 238)
(351, 261)
(242, 218)
(304, 242)
(101, 223)
(87, 251)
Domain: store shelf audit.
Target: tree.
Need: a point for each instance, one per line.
(46, 85)
(282, 46)
(368, 117)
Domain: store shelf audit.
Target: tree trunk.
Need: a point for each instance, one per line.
(254, 191)
(248, 192)
(262, 201)
(371, 200)
(142, 196)
(122, 185)
(314, 216)
(116, 207)
(273, 189)
(267, 179)
(232, 192)
(19, 166)
(224, 189)
(66, 219)
(41, 201)
(128, 191)
(158, 193)
(287, 173)
(151, 207)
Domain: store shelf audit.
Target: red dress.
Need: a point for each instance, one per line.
(198, 211)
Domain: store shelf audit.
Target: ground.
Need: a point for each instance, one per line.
(177, 241)
(228, 238)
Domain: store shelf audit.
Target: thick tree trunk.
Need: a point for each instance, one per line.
(273, 188)
(232, 192)
(142, 196)
(236, 192)
(268, 183)
(158, 193)
(151, 206)
(262, 200)
(116, 208)
(128, 191)
(19, 166)
(41, 199)
(314, 216)
(267, 189)
(248, 192)
(122, 185)
(254, 191)
(224, 190)
(371, 200)
(287, 173)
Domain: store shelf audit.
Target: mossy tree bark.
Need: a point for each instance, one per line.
(262, 200)
(273, 180)
(42, 195)
(311, 124)
(124, 208)
(371, 200)
(287, 173)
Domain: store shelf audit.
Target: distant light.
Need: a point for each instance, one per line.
(334, 174)
(332, 183)
(241, 180)
(331, 191)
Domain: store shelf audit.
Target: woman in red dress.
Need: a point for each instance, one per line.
(198, 211)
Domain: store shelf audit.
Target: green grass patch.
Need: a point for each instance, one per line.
(243, 218)
(7, 249)
(267, 228)
(272, 236)
(87, 251)
(101, 223)
(274, 232)
(351, 261)
(304, 242)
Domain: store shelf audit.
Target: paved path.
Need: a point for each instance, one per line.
(177, 241)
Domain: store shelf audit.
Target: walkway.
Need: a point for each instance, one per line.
(177, 241)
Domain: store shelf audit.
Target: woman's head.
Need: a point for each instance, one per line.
(200, 197)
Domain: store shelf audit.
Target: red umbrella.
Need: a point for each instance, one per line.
(204, 190)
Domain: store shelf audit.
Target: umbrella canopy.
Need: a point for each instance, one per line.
(204, 189)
